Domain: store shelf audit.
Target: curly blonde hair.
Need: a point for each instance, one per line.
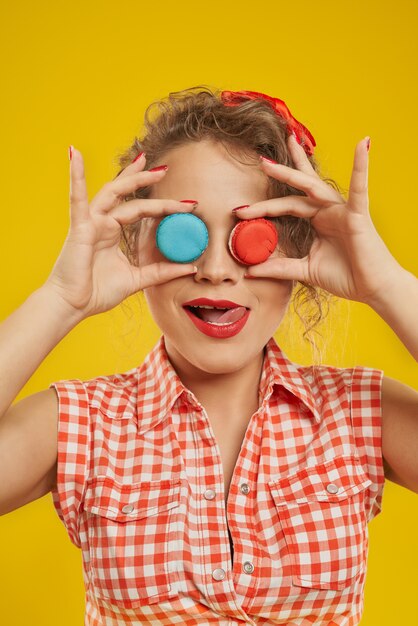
(249, 129)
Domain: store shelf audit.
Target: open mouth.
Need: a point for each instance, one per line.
(219, 319)
(217, 316)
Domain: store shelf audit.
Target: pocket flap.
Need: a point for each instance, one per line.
(121, 502)
(331, 481)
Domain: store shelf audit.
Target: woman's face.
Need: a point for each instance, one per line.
(204, 171)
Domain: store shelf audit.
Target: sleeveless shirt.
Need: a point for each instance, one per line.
(140, 491)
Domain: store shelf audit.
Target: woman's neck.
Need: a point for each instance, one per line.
(232, 393)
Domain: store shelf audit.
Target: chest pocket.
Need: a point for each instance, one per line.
(322, 514)
(132, 535)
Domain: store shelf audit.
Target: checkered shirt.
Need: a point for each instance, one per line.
(140, 490)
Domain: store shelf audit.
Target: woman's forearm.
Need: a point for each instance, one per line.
(26, 338)
(398, 307)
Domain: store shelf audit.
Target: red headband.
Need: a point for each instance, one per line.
(303, 136)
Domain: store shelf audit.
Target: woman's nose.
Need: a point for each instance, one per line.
(217, 264)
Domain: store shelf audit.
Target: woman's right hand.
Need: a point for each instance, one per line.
(91, 274)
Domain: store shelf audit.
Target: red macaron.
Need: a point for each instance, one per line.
(253, 241)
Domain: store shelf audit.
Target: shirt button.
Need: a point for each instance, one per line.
(244, 488)
(248, 567)
(128, 508)
(218, 574)
(209, 494)
(331, 488)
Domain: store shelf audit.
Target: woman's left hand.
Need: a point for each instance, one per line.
(348, 258)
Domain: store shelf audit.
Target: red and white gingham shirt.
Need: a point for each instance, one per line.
(140, 490)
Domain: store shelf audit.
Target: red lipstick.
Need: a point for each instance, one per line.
(212, 329)
(220, 304)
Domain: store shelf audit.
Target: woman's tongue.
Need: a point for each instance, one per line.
(222, 317)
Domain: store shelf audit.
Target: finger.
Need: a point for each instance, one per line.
(313, 186)
(358, 198)
(280, 268)
(299, 206)
(133, 210)
(79, 204)
(299, 156)
(137, 164)
(112, 192)
(158, 273)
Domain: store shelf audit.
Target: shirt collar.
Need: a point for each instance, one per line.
(159, 385)
(278, 371)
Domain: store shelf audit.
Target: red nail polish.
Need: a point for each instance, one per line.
(368, 144)
(244, 206)
(70, 152)
(296, 137)
(159, 168)
(269, 160)
(137, 157)
(190, 201)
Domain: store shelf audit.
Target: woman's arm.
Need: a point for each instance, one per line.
(349, 259)
(400, 433)
(90, 276)
(398, 307)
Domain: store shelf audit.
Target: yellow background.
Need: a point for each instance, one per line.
(82, 72)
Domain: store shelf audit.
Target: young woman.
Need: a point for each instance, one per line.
(217, 482)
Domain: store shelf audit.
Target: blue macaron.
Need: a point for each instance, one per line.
(182, 237)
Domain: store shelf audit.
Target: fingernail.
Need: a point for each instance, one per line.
(138, 157)
(266, 159)
(244, 206)
(368, 144)
(296, 137)
(70, 152)
(249, 276)
(192, 202)
(159, 168)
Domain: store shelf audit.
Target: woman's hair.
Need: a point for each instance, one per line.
(246, 130)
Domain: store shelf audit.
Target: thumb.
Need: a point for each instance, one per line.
(158, 273)
(280, 268)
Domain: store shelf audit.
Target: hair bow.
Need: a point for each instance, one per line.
(303, 136)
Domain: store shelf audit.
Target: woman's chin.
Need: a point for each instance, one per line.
(211, 357)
